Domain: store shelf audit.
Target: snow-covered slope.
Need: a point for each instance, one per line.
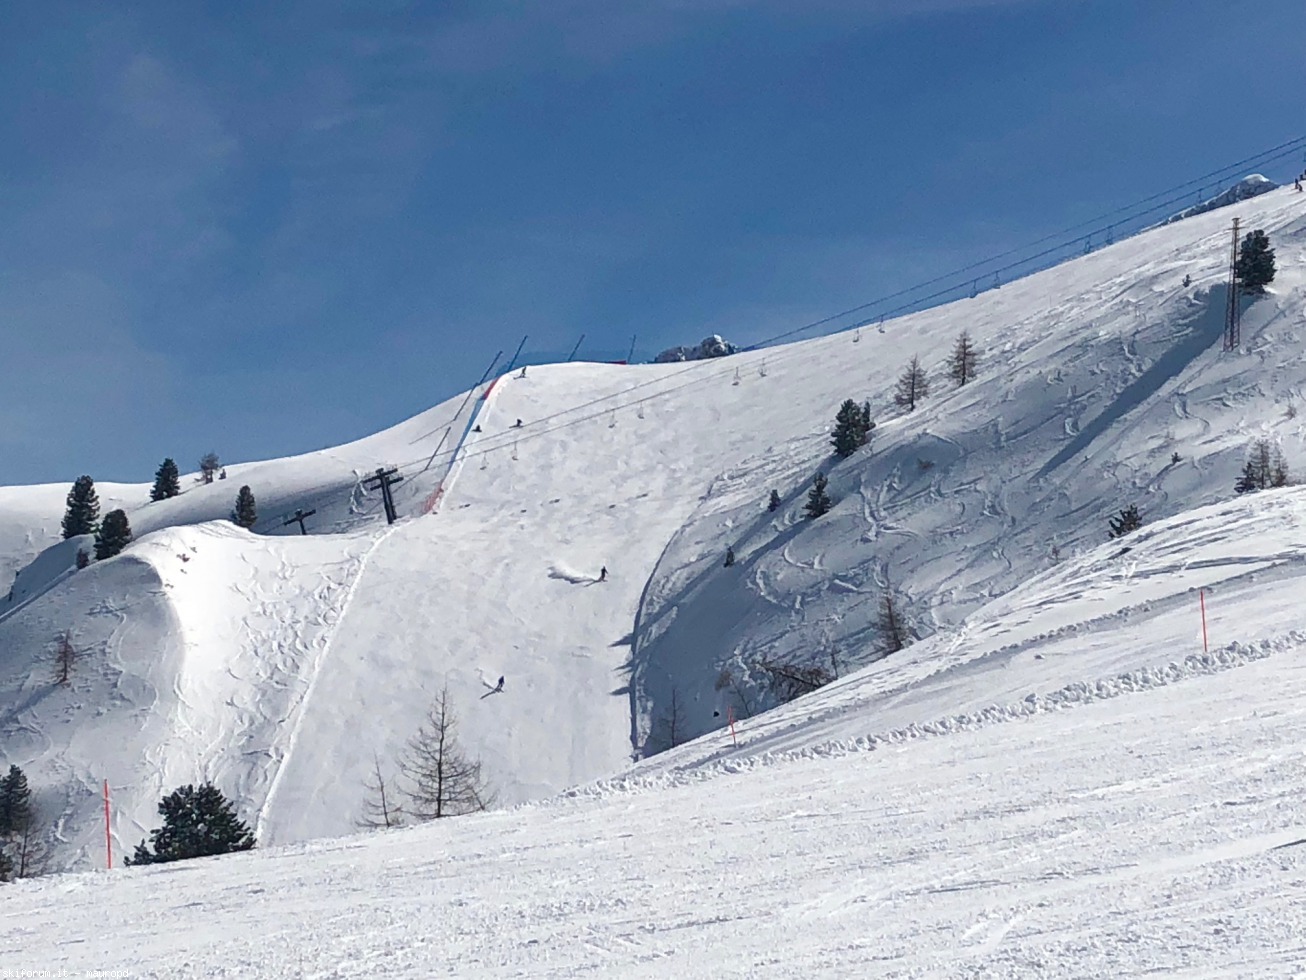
(281, 667)
(1143, 820)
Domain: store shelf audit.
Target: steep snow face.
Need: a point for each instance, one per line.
(287, 667)
(1092, 379)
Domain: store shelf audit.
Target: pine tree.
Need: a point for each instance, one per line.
(15, 802)
(83, 514)
(912, 385)
(22, 852)
(818, 501)
(1255, 268)
(113, 536)
(774, 503)
(850, 429)
(167, 481)
(197, 822)
(961, 365)
(1127, 521)
(442, 782)
(245, 514)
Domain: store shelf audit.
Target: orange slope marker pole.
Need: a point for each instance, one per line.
(1201, 598)
(108, 841)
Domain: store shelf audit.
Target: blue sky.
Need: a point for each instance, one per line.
(266, 228)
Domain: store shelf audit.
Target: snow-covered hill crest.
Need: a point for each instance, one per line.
(284, 667)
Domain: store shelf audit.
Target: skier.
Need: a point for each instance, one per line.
(730, 556)
(1297, 184)
(603, 574)
(1188, 281)
(496, 690)
(477, 429)
(518, 425)
(523, 372)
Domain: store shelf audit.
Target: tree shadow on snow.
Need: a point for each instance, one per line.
(1203, 331)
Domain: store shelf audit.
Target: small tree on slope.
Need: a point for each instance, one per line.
(1255, 267)
(380, 806)
(1127, 521)
(114, 535)
(442, 782)
(83, 514)
(22, 851)
(197, 822)
(818, 501)
(245, 514)
(1264, 468)
(774, 503)
(850, 429)
(209, 464)
(167, 481)
(892, 630)
(961, 364)
(912, 385)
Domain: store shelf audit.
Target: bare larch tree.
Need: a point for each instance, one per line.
(912, 385)
(442, 781)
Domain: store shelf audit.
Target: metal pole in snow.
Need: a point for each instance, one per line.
(730, 717)
(108, 841)
(1201, 598)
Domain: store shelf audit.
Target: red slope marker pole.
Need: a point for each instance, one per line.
(730, 717)
(108, 841)
(1201, 597)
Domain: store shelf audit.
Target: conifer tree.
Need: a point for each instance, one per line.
(774, 503)
(113, 536)
(1128, 520)
(167, 481)
(1265, 468)
(21, 852)
(197, 822)
(15, 802)
(1255, 268)
(245, 514)
(850, 429)
(83, 514)
(912, 385)
(961, 365)
(818, 501)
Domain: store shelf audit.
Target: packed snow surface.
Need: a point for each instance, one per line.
(1057, 779)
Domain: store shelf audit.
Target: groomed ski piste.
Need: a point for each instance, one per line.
(1061, 777)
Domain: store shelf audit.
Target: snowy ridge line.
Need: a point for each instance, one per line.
(1072, 695)
(300, 708)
